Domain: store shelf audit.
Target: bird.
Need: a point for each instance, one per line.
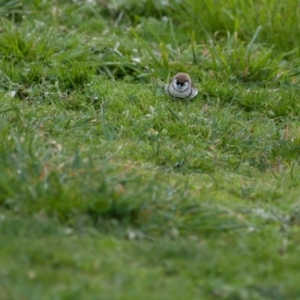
(181, 87)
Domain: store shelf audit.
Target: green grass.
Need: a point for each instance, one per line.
(111, 190)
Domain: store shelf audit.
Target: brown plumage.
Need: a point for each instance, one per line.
(181, 87)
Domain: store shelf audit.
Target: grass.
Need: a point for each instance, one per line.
(110, 190)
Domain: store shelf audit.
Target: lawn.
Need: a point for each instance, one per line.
(111, 190)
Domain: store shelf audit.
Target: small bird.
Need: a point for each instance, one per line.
(181, 87)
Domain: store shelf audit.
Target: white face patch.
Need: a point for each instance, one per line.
(181, 87)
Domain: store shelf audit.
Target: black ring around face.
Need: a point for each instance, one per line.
(184, 97)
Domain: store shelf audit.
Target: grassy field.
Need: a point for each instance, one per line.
(110, 190)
